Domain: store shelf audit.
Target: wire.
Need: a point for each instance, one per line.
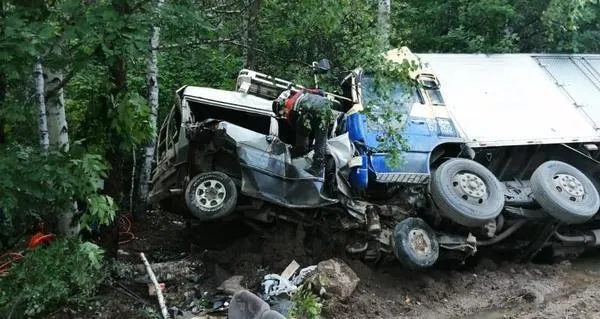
(11, 257)
(125, 230)
(7, 259)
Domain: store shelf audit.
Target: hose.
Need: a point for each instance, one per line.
(575, 239)
(503, 235)
(500, 223)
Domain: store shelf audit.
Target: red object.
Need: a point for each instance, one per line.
(289, 104)
(40, 239)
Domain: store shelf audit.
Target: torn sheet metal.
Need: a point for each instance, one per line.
(269, 173)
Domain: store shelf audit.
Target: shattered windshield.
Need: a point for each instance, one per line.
(398, 101)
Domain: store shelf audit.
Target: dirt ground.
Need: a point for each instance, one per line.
(491, 289)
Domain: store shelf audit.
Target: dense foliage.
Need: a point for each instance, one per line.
(100, 49)
(67, 272)
(35, 184)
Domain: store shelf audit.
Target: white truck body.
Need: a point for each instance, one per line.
(521, 99)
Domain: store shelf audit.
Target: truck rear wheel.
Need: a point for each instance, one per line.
(565, 192)
(466, 192)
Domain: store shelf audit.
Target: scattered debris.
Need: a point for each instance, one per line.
(303, 274)
(290, 270)
(274, 285)
(246, 305)
(152, 288)
(174, 312)
(335, 278)
(161, 299)
(232, 285)
(168, 271)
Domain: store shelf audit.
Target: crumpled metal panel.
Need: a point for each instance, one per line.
(269, 173)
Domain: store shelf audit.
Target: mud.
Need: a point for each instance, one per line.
(488, 290)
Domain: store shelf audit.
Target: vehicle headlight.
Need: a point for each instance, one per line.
(446, 126)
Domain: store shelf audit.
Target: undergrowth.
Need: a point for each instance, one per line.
(67, 272)
(305, 304)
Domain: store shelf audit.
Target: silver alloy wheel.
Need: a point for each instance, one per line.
(210, 194)
(470, 187)
(569, 186)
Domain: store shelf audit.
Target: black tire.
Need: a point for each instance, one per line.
(211, 195)
(415, 244)
(471, 210)
(571, 204)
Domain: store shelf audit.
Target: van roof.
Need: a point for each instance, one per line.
(229, 99)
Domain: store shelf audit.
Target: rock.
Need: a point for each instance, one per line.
(232, 285)
(336, 278)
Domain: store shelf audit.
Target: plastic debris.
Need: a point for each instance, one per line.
(274, 285)
(303, 274)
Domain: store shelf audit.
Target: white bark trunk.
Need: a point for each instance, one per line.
(159, 295)
(55, 108)
(38, 76)
(146, 170)
(383, 22)
(59, 139)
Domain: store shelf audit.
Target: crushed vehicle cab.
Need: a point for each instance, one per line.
(217, 146)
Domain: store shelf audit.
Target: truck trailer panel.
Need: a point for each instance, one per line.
(520, 99)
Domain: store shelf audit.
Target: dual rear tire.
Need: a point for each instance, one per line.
(469, 194)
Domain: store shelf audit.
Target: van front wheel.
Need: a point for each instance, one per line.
(211, 195)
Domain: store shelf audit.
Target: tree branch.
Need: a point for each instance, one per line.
(234, 43)
(62, 83)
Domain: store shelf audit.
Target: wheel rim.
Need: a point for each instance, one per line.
(419, 241)
(470, 187)
(569, 187)
(210, 194)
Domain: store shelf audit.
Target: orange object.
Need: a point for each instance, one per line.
(40, 239)
(6, 261)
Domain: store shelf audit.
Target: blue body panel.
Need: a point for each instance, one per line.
(422, 136)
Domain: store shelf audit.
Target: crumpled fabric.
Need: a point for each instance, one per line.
(275, 285)
(302, 275)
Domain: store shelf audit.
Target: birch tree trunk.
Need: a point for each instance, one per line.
(55, 112)
(59, 139)
(383, 23)
(38, 76)
(148, 152)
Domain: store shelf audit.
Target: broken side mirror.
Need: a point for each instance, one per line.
(321, 67)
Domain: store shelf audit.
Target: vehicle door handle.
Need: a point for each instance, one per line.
(420, 122)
